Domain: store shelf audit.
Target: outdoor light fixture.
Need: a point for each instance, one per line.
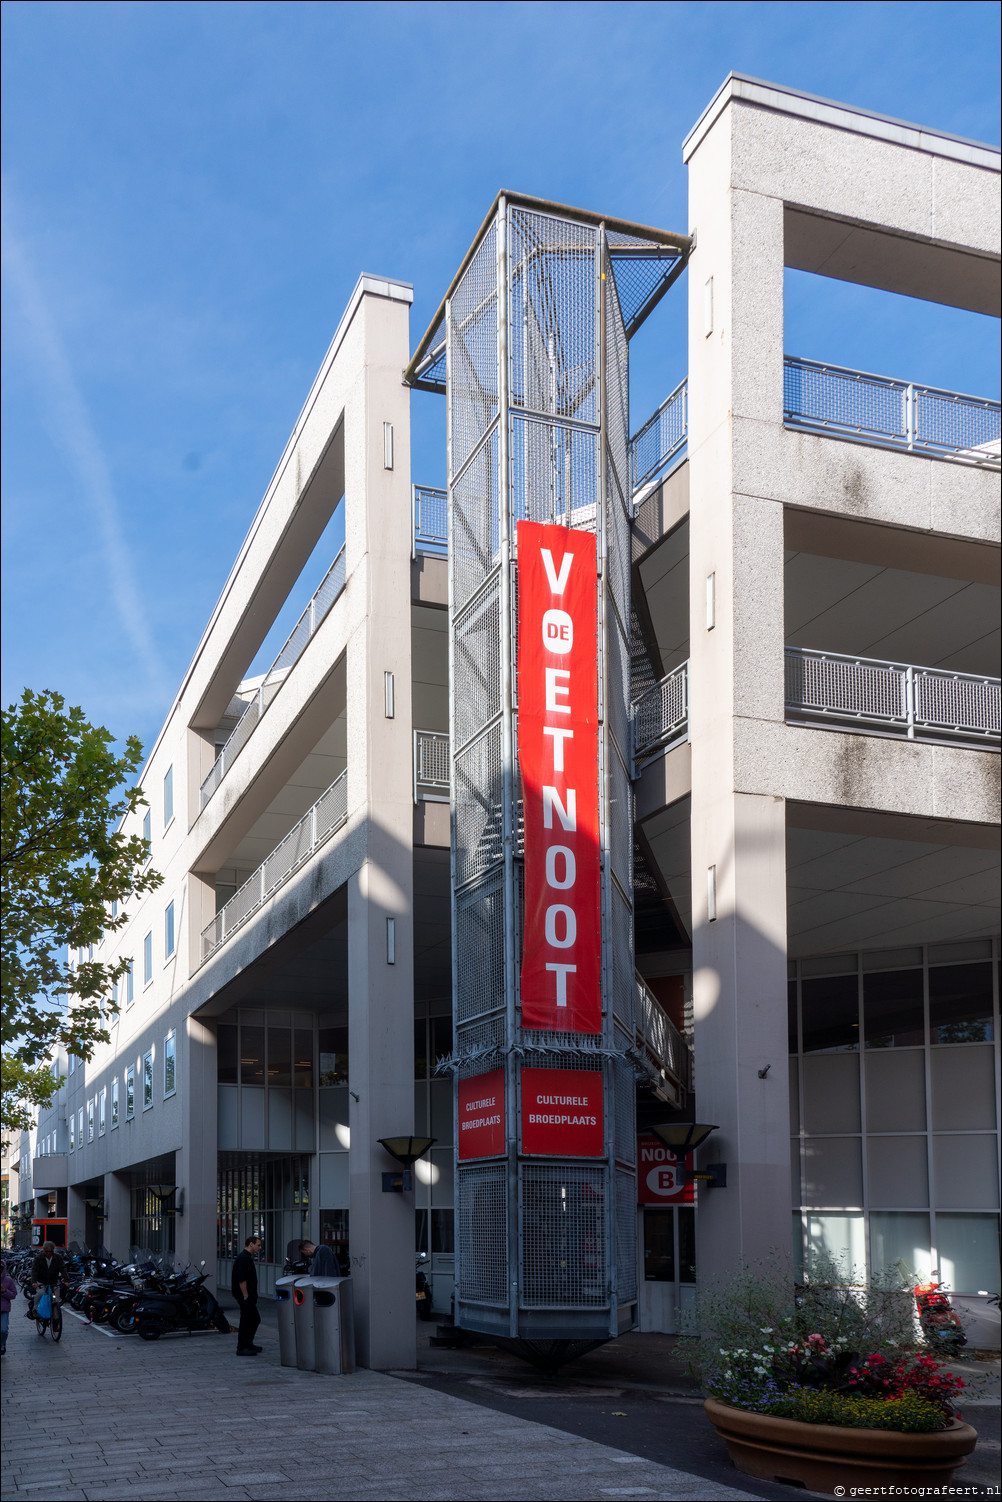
(406, 1150)
(684, 1137)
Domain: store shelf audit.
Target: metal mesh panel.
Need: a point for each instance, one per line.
(617, 382)
(642, 672)
(623, 970)
(552, 340)
(617, 546)
(624, 1115)
(479, 980)
(554, 473)
(626, 1236)
(642, 270)
(944, 420)
(662, 714)
(618, 674)
(482, 1233)
(661, 439)
(620, 819)
(952, 701)
(478, 823)
(432, 764)
(562, 1214)
(477, 664)
(845, 686)
(431, 519)
(843, 399)
(473, 522)
(483, 1043)
(473, 352)
(332, 807)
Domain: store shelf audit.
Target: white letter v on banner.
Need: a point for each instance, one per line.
(557, 581)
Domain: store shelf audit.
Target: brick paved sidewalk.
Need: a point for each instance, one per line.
(102, 1417)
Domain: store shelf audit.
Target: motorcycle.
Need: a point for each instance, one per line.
(422, 1289)
(189, 1306)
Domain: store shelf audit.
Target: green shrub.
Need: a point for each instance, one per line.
(909, 1414)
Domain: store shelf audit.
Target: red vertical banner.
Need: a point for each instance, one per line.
(558, 760)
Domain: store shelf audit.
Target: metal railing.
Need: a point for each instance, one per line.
(894, 414)
(663, 1052)
(661, 715)
(330, 587)
(661, 439)
(317, 825)
(430, 514)
(431, 766)
(897, 698)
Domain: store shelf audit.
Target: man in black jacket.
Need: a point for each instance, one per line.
(48, 1270)
(243, 1286)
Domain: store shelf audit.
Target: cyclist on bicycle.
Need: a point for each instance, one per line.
(47, 1271)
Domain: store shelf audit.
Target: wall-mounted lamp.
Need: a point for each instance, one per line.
(684, 1137)
(406, 1150)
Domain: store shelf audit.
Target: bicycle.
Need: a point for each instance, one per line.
(53, 1321)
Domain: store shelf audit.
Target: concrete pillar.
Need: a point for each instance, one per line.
(196, 1159)
(380, 799)
(76, 1216)
(735, 682)
(117, 1215)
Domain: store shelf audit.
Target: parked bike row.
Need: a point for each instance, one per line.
(145, 1296)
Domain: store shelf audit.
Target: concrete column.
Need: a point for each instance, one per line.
(76, 1216)
(736, 681)
(380, 797)
(117, 1215)
(196, 1159)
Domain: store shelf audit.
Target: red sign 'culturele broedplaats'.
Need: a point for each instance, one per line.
(562, 1112)
(481, 1115)
(558, 760)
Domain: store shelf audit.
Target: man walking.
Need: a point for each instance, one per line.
(243, 1286)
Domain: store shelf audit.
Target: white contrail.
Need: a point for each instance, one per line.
(69, 421)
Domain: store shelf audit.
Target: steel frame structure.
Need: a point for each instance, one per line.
(530, 345)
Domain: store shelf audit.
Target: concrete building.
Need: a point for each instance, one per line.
(816, 731)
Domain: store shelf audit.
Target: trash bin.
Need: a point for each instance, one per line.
(286, 1320)
(302, 1310)
(333, 1326)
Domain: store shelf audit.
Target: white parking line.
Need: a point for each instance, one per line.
(111, 1334)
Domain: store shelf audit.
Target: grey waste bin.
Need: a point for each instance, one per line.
(302, 1308)
(286, 1320)
(333, 1326)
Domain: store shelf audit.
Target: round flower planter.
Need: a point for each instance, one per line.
(822, 1457)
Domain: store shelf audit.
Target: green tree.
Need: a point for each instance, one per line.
(66, 870)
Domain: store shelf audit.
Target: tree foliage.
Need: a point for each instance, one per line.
(66, 869)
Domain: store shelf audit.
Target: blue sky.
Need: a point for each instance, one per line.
(190, 193)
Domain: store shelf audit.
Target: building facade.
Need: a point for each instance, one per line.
(813, 629)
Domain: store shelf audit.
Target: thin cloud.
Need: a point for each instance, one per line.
(70, 424)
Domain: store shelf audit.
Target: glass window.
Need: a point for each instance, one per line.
(114, 907)
(114, 1103)
(900, 1238)
(279, 1056)
(73, 1135)
(829, 1007)
(130, 1092)
(90, 1121)
(835, 1238)
(968, 1250)
(226, 1054)
(102, 1112)
(148, 959)
(441, 1039)
(893, 1012)
(251, 1055)
(130, 984)
(960, 1004)
(333, 1055)
(791, 1014)
(80, 1126)
(303, 1060)
(168, 796)
(659, 1244)
(72, 1063)
(169, 931)
(420, 1048)
(147, 1080)
(170, 1064)
(148, 832)
(442, 1235)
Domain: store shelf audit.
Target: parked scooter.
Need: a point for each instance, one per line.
(422, 1288)
(189, 1307)
(938, 1320)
